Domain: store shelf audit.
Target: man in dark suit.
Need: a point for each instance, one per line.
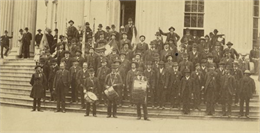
(27, 37)
(113, 27)
(5, 43)
(142, 46)
(186, 91)
(130, 29)
(38, 37)
(81, 78)
(73, 76)
(171, 35)
(67, 60)
(161, 85)
(72, 32)
(50, 40)
(246, 91)
(102, 72)
(99, 32)
(88, 31)
(61, 85)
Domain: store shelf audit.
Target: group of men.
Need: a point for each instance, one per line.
(202, 71)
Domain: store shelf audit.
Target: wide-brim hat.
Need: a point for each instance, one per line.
(172, 28)
(39, 30)
(108, 27)
(79, 51)
(26, 28)
(137, 53)
(21, 30)
(100, 25)
(6, 31)
(71, 21)
(197, 64)
(142, 36)
(122, 27)
(56, 30)
(229, 43)
(215, 30)
(37, 66)
(61, 36)
(113, 26)
(91, 70)
(87, 23)
(247, 72)
(158, 34)
(117, 61)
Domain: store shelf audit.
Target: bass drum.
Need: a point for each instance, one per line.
(91, 97)
(111, 93)
(139, 94)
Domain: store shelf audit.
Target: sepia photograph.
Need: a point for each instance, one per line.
(129, 66)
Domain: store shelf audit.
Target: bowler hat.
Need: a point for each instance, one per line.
(104, 60)
(87, 23)
(39, 30)
(21, 30)
(37, 66)
(26, 28)
(91, 70)
(122, 53)
(71, 21)
(6, 31)
(79, 51)
(229, 43)
(61, 36)
(148, 63)
(197, 64)
(211, 65)
(56, 30)
(215, 30)
(113, 26)
(142, 36)
(172, 28)
(100, 25)
(134, 62)
(107, 27)
(138, 53)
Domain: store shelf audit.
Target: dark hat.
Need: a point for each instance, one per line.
(39, 30)
(158, 34)
(138, 54)
(113, 26)
(161, 63)
(114, 49)
(6, 31)
(197, 64)
(247, 72)
(148, 63)
(229, 43)
(100, 25)
(175, 64)
(202, 38)
(66, 52)
(215, 30)
(134, 62)
(142, 36)
(104, 60)
(71, 21)
(126, 43)
(207, 36)
(210, 55)
(124, 33)
(56, 30)
(235, 63)
(130, 19)
(37, 66)
(74, 60)
(91, 70)
(26, 28)
(87, 23)
(172, 28)
(117, 61)
(217, 44)
(228, 67)
(61, 36)
(194, 45)
(169, 56)
(78, 51)
(107, 27)
(187, 71)
(114, 66)
(53, 61)
(203, 61)
(122, 53)
(187, 29)
(256, 45)
(166, 43)
(21, 30)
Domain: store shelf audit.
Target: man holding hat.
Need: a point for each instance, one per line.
(91, 84)
(211, 84)
(171, 35)
(232, 51)
(113, 80)
(38, 37)
(186, 91)
(38, 81)
(246, 91)
(141, 47)
(227, 91)
(72, 31)
(99, 32)
(5, 43)
(61, 85)
(73, 76)
(130, 29)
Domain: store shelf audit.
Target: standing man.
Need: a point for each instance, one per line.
(26, 43)
(73, 76)
(129, 80)
(82, 76)
(20, 43)
(174, 85)
(99, 32)
(161, 85)
(53, 69)
(186, 92)
(246, 91)
(141, 47)
(171, 35)
(38, 37)
(158, 42)
(50, 40)
(113, 31)
(72, 32)
(5, 43)
(113, 80)
(102, 72)
(91, 84)
(238, 74)
(56, 37)
(232, 51)
(130, 29)
(88, 32)
(60, 86)
(150, 75)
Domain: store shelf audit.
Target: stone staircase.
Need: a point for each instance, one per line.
(15, 89)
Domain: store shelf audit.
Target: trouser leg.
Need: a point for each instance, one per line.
(87, 108)
(247, 105)
(63, 104)
(94, 108)
(138, 106)
(39, 104)
(82, 97)
(145, 111)
(229, 104)
(242, 100)
(109, 107)
(6, 51)
(114, 107)
(34, 104)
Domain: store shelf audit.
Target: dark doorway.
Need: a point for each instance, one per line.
(127, 11)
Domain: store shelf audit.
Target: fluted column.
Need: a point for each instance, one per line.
(24, 16)
(6, 17)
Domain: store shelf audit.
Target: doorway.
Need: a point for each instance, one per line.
(128, 8)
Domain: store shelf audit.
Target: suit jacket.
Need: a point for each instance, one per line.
(174, 36)
(186, 88)
(130, 78)
(158, 44)
(199, 81)
(98, 33)
(27, 38)
(211, 79)
(102, 72)
(233, 52)
(92, 85)
(141, 48)
(247, 87)
(150, 55)
(122, 42)
(150, 75)
(68, 62)
(254, 54)
(228, 84)
(63, 77)
(5, 40)
(129, 30)
(165, 53)
(74, 71)
(162, 79)
(82, 76)
(38, 38)
(112, 79)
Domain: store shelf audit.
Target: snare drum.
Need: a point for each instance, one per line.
(139, 91)
(90, 97)
(111, 93)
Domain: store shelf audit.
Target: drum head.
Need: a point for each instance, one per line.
(92, 96)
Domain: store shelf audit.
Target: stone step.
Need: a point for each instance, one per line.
(17, 67)
(15, 75)
(19, 64)
(10, 95)
(124, 112)
(30, 60)
(16, 71)
(14, 79)
(16, 83)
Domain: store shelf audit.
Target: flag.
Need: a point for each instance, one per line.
(44, 42)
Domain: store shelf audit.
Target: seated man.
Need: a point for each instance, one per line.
(254, 57)
(232, 51)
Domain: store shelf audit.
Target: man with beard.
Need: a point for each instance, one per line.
(186, 91)
(82, 76)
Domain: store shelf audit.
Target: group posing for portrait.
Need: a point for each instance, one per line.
(157, 74)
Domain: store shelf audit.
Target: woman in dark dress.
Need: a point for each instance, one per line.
(37, 81)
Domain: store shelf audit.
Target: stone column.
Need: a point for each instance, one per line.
(24, 16)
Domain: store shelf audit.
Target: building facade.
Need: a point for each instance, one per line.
(238, 20)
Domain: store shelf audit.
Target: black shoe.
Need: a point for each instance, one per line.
(147, 119)
(33, 110)
(86, 115)
(108, 116)
(138, 118)
(94, 115)
(57, 111)
(114, 116)
(63, 111)
(40, 110)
